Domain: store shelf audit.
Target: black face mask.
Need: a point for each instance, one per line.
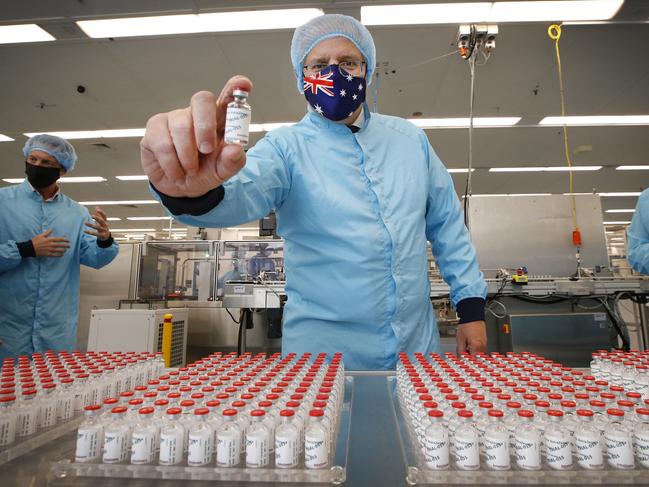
(41, 177)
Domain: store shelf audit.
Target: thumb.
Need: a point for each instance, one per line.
(47, 233)
(230, 161)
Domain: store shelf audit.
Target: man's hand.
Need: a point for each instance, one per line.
(46, 246)
(472, 337)
(101, 230)
(183, 152)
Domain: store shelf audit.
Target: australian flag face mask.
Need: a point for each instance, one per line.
(334, 93)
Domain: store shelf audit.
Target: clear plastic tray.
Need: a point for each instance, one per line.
(418, 474)
(25, 445)
(334, 475)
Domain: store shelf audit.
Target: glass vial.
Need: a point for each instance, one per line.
(237, 119)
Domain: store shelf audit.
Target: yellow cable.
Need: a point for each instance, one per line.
(554, 32)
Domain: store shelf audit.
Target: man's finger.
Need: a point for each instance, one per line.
(101, 212)
(90, 232)
(100, 219)
(159, 141)
(93, 225)
(238, 83)
(47, 232)
(203, 115)
(230, 162)
(58, 239)
(181, 129)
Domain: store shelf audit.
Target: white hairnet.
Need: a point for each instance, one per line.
(327, 26)
(55, 146)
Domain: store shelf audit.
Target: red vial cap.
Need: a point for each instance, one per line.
(615, 412)
(526, 413)
(118, 409)
(201, 411)
(495, 413)
(435, 413)
(316, 413)
(174, 411)
(147, 410)
(92, 407)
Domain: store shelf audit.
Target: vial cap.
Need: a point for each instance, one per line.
(240, 93)
(257, 412)
(615, 412)
(290, 412)
(624, 403)
(174, 411)
(146, 410)
(435, 413)
(585, 413)
(513, 405)
(265, 404)
(187, 403)
(542, 404)
(526, 413)
(7, 399)
(201, 411)
(496, 413)
(430, 404)
(161, 402)
(597, 404)
(316, 413)
(135, 402)
(555, 413)
(92, 407)
(229, 412)
(293, 404)
(465, 414)
(642, 411)
(213, 403)
(118, 410)
(485, 405)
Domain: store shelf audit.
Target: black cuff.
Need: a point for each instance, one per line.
(192, 206)
(104, 244)
(26, 249)
(470, 309)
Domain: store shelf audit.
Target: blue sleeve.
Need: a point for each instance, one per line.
(9, 256)
(92, 255)
(449, 237)
(258, 188)
(638, 236)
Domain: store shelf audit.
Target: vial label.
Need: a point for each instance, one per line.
(528, 454)
(619, 451)
(467, 454)
(237, 125)
(228, 449)
(642, 448)
(27, 423)
(496, 450)
(436, 452)
(199, 449)
(65, 410)
(48, 415)
(558, 452)
(142, 447)
(286, 451)
(256, 451)
(315, 452)
(589, 452)
(171, 448)
(7, 430)
(115, 447)
(88, 445)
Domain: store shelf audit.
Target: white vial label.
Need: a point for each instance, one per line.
(256, 450)
(589, 451)
(142, 447)
(88, 445)
(286, 451)
(228, 449)
(171, 448)
(436, 452)
(528, 453)
(496, 450)
(48, 415)
(65, 408)
(7, 429)
(558, 452)
(642, 449)
(199, 449)
(619, 451)
(237, 125)
(315, 451)
(115, 446)
(27, 422)
(467, 453)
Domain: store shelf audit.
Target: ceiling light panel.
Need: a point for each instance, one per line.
(16, 34)
(596, 120)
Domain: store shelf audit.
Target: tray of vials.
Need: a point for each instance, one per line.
(521, 419)
(42, 397)
(223, 418)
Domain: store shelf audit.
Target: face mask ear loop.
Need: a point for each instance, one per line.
(375, 92)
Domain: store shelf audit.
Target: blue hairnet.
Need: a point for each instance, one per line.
(327, 26)
(55, 146)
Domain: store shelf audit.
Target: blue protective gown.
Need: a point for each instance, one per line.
(39, 296)
(638, 236)
(355, 212)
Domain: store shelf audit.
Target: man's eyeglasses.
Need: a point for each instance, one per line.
(355, 68)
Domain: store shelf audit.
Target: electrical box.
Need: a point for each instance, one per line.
(569, 338)
(138, 330)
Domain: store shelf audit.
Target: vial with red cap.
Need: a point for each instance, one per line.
(557, 442)
(28, 414)
(588, 442)
(201, 440)
(258, 439)
(641, 437)
(228, 440)
(8, 419)
(172, 438)
(496, 442)
(144, 438)
(90, 436)
(117, 437)
(287, 440)
(527, 442)
(316, 447)
(465, 443)
(619, 441)
(436, 442)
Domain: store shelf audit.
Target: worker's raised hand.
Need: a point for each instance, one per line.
(183, 152)
(471, 337)
(100, 228)
(46, 246)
